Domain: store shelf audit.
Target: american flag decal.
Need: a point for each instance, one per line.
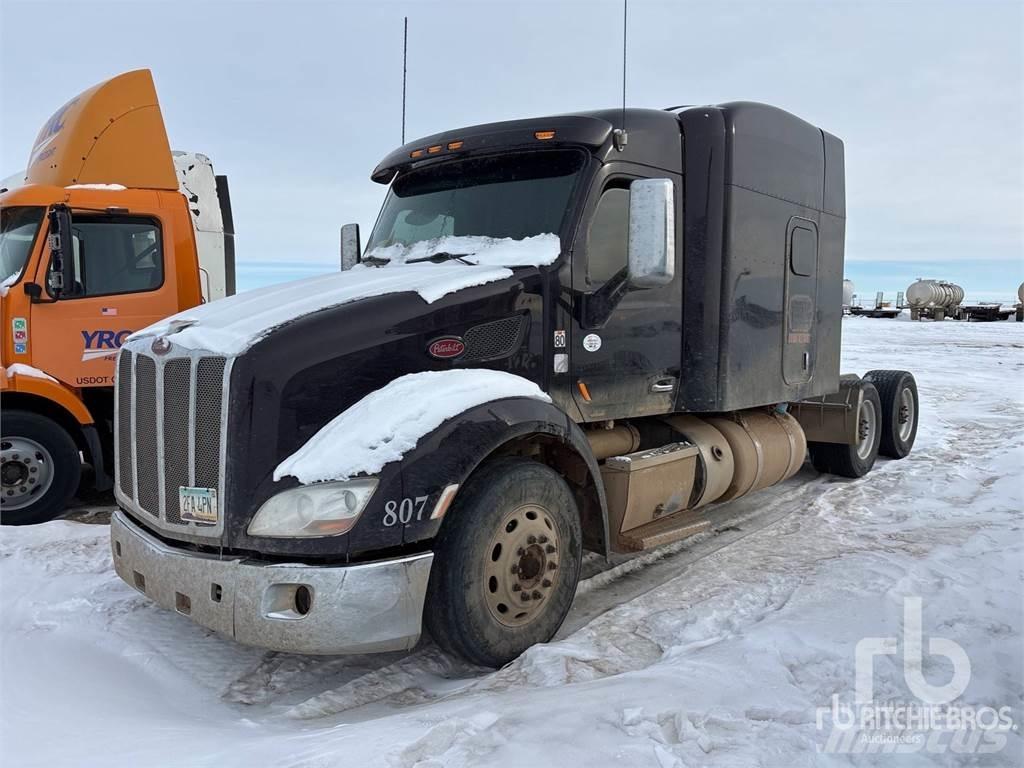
(108, 311)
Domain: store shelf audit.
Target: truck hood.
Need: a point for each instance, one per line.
(232, 325)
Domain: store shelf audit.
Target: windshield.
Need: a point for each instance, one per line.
(463, 208)
(18, 229)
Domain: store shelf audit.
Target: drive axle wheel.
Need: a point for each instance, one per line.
(39, 468)
(857, 459)
(506, 562)
(898, 393)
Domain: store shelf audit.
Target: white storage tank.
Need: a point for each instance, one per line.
(1020, 293)
(847, 294)
(934, 294)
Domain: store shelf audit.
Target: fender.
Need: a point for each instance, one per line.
(452, 452)
(53, 391)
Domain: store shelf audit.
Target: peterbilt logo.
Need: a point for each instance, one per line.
(447, 347)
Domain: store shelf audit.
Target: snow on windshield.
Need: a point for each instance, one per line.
(535, 251)
(390, 421)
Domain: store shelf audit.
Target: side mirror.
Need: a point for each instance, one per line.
(349, 246)
(652, 233)
(61, 277)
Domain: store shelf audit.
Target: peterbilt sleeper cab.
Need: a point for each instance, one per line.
(564, 333)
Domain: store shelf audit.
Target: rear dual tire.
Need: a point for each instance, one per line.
(856, 459)
(897, 391)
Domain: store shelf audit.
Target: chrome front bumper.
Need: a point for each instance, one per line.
(365, 608)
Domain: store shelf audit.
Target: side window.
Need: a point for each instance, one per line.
(608, 237)
(115, 255)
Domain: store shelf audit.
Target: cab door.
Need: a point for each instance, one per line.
(122, 282)
(625, 346)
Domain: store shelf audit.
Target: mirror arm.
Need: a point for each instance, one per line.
(599, 305)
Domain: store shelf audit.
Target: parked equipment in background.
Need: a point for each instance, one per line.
(881, 309)
(1020, 303)
(985, 312)
(934, 299)
(606, 351)
(109, 231)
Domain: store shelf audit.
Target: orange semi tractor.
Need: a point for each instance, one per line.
(108, 232)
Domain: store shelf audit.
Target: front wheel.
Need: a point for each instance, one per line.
(40, 468)
(506, 563)
(857, 459)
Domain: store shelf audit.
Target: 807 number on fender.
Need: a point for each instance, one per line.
(404, 511)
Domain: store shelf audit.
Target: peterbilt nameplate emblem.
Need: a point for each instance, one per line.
(160, 345)
(447, 347)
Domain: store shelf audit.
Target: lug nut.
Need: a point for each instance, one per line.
(14, 456)
(515, 569)
(543, 539)
(531, 539)
(520, 552)
(516, 588)
(549, 548)
(552, 565)
(537, 595)
(524, 597)
(546, 583)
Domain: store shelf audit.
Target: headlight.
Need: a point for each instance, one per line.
(323, 509)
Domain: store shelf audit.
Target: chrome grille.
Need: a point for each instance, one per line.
(170, 412)
(148, 488)
(125, 465)
(209, 378)
(177, 385)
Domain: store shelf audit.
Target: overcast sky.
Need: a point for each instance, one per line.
(297, 101)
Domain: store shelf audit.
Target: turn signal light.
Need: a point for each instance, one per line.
(543, 135)
(583, 390)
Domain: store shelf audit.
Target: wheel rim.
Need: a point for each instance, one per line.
(26, 471)
(905, 415)
(521, 567)
(866, 428)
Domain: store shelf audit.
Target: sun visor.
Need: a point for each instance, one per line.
(112, 133)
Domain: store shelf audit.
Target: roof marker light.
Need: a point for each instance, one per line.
(453, 145)
(543, 135)
(416, 153)
(434, 149)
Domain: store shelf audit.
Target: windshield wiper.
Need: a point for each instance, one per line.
(441, 256)
(376, 260)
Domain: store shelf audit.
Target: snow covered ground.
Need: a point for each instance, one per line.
(717, 651)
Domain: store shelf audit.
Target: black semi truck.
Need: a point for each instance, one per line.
(565, 333)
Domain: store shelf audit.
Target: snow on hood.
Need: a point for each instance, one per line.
(390, 421)
(20, 369)
(230, 326)
(535, 251)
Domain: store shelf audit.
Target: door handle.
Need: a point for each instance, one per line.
(663, 385)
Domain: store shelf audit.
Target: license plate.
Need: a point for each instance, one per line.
(198, 505)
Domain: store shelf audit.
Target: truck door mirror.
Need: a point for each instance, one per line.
(61, 276)
(349, 246)
(652, 233)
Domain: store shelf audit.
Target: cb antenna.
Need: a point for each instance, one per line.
(619, 134)
(405, 60)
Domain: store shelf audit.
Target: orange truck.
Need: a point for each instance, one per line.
(107, 232)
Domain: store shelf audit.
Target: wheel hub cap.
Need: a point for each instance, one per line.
(26, 472)
(521, 567)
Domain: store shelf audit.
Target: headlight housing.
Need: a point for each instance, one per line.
(321, 509)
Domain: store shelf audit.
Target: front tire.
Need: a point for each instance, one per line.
(506, 563)
(40, 468)
(900, 409)
(854, 460)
